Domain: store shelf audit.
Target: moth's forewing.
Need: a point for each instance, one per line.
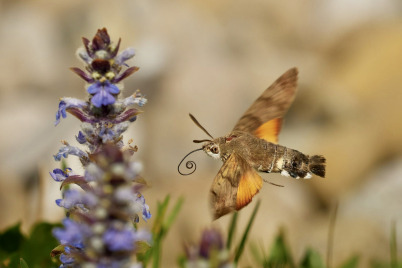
(272, 104)
(234, 186)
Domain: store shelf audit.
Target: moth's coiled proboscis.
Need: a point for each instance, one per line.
(189, 164)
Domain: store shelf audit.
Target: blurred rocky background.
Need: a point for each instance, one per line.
(213, 59)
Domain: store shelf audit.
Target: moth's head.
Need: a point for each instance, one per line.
(210, 146)
(212, 149)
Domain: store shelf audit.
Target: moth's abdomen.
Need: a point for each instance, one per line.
(317, 165)
(298, 165)
(279, 159)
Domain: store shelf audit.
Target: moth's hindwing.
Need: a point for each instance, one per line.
(234, 186)
(269, 131)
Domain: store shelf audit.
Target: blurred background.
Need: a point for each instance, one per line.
(213, 59)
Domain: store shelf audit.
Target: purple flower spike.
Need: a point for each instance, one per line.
(103, 203)
(103, 93)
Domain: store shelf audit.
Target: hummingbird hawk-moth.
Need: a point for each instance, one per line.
(252, 147)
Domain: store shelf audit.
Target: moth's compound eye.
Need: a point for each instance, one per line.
(214, 150)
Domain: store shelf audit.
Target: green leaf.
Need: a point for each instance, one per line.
(13, 260)
(351, 263)
(37, 248)
(181, 261)
(240, 248)
(312, 259)
(142, 247)
(11, 239)
(57, 251)
(232, 229)
(280, 255)
(23, 264)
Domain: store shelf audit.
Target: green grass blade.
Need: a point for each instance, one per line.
(393, 246)
(232, 229)
(331, 231)
(312, 259)
(160, 215)
(163, 222)
(351, 263)
(172, 216)
(240, 248)
(256, 253)
(23, 263)
(280, 255)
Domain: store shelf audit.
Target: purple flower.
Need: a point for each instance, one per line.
(72, 234)
(83, 54)
(68, 103)
(137, 99)
(66, 260)
(81, 138)
(107, 134)
(93, 173)
(124, 56)
(112, 133)
(211, 241)
(66, 150)
(118, 240)
(146, 214)
(60, 175)
(77, 198)
(103, 93)
(71, 198)
(61, 112)
(135, 201)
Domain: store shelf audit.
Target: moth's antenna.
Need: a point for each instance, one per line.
(200, 141)
(189, 164)
(199, 125)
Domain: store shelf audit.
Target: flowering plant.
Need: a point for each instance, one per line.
(103, 204)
